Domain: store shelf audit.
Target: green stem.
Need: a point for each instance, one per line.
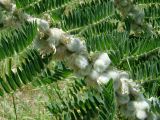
(14, 105)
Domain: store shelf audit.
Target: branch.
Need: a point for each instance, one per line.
(142, 56)
(96, 67)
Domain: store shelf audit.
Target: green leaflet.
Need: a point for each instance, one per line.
(17, 40)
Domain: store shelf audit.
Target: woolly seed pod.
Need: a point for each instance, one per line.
(141, 105)
(103, 79)
(141, 114)
(75, 45)
(102, 63)
(114, 75)
(81, 62)
(55, 35)
(94, 75)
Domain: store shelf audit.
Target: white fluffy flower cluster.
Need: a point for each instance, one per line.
(97, 69)
(130, 101)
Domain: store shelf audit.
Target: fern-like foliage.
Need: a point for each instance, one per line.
(15, 80)
(48, 76)
(82, 104)
(40, 6)
(17, 40)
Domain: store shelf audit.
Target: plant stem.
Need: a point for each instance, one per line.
(14, 105)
